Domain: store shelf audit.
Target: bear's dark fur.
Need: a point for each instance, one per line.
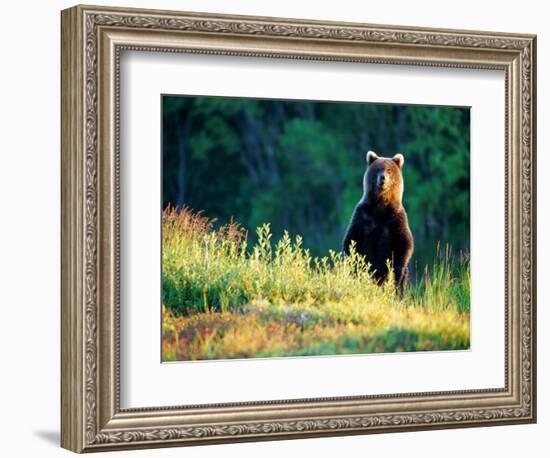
(379, 223)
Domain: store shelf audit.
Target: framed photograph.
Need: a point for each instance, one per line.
(279, 228)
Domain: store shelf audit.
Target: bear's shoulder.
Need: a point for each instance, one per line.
(363, 212)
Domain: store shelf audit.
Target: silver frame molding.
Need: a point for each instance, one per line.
(92, 39)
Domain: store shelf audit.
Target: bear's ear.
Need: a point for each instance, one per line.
(399, 160)
(371, 157)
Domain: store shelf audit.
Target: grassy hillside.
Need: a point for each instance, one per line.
(224, 299)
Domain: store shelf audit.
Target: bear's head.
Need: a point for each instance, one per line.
(383, 180)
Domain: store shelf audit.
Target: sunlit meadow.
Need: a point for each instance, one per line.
(223, 298)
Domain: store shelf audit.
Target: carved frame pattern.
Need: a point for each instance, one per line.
(82, 402)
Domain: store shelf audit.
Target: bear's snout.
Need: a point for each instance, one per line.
(381, 180)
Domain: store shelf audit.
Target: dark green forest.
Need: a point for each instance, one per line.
(298, 165)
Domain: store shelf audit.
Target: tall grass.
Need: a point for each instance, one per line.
(224, 299)
(445, 284)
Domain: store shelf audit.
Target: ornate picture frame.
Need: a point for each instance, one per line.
(92, 40)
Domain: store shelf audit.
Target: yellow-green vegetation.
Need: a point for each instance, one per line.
(224, 299)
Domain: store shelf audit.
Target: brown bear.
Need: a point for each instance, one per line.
(379, 224)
